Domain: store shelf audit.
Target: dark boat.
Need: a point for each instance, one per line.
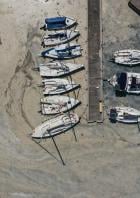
(58, 23)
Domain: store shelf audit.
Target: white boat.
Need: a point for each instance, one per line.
(126, 115)
(59, 37)
(64, 51)
(58, 69)
(58, 86)
(127, 82)
(56, 126)
(58, 23)
(57, 104)
(127, 57)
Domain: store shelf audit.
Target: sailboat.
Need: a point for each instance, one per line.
(127, 82)
(58, 86)
(64, 51)
(56, 126)
(58, 23)
(58, 69)
(59, 37)
(57, 104)
(126, 115)
(127, 57)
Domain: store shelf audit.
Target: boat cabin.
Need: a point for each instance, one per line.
(55, 23)
(133, 84)
(121, 81)
(113, 115)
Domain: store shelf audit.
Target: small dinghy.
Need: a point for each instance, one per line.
(58, 86)
(58, 23)
(127, 57)
(58, 69)
(126, 82)
(64, 51)
(56, 126)
(125, 115)
(52, 105)
(60, 37)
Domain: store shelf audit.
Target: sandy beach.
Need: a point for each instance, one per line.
(104, 163)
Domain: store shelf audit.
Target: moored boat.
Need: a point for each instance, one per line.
(57, 104)
(56, 126)
(127, 82)
(127, 57)
(58, 69)
(58, 23)
(126, 115)
(64, 51)
(59, 37)
(58, 86)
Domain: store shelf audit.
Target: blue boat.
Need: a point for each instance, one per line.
(58, 23)
(62, 52)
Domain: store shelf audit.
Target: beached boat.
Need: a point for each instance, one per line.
(126, 82)
(58, 86)
(135, 5)
(58, 23)
(56, 126)
(127, 57)
(58, 69)
(51, 105)
(60, 37)
(126, 115)
(64, 51)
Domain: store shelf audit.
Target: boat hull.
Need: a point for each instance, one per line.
(48, 41)
(124, 115)
(135, 5)
(127, 82)
(56, 126)
(53, 105)
(59, 69)
(58, 86)
(127, 57)
(63, 52)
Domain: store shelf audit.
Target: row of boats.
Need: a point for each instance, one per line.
(60, 38)
(126, 83)
(54, 85)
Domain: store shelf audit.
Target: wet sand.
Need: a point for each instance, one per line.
(105, 161)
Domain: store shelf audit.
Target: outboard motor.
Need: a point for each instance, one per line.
(43, 28)
(113, 115)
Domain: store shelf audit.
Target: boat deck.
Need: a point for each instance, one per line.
(94, 61)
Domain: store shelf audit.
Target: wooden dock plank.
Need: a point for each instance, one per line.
(94, 61)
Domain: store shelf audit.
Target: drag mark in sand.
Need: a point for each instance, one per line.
(19, 82)
(21, 79)
(0, 41)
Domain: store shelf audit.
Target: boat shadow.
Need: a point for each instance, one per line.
(45, 149)
(38, 142)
